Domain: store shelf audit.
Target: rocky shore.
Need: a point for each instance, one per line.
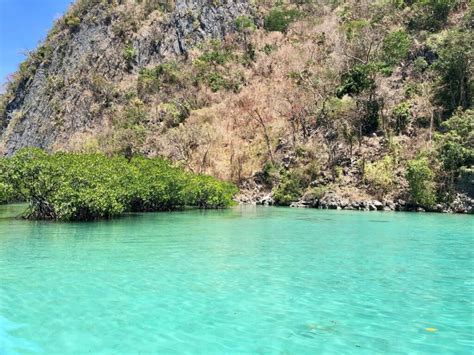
(331, 200)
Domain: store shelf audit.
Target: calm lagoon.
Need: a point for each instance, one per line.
(243, 280)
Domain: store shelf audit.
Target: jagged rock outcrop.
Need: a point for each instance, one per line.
(84, 59)
(462, 203)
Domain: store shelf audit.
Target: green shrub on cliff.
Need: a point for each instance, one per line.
(152, 80)
(72, 22)
(279, 19)
(245, 23)
(456, 143)
(66, 186)
(129, 55)
(356, 80)
(455, 148)
(401, 116)
(380, 175)
(429, 15)
(213, 67)
(395, 47)
(288, 190)
(421, 180)
(454, 69)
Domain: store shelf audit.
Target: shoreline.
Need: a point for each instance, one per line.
(462, 204)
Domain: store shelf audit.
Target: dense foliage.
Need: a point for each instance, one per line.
(455, 146)
(421, 179)
(288, 190)
(67, 186)
(454, 69)
(6, 190)
(278, 19)
(380, 175)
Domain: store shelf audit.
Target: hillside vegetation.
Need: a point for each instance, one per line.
(297, 99)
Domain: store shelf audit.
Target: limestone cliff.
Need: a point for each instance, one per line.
(57, 88)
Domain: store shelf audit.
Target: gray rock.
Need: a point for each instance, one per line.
(400, 205)
(378, 205)
(390, 205)
(462, 204)
(55, 101)
(343, 203)
(266, 200)
(439, 207)
(355, 205)
(299, 204)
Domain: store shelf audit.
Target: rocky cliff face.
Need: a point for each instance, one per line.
(342, 100)
(102, 42)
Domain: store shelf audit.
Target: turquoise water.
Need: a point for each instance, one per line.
(245, 280)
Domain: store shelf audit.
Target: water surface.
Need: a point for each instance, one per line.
(244, 280)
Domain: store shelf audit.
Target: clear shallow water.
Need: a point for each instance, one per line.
(248, 280)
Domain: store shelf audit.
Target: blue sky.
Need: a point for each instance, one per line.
(23, 24)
